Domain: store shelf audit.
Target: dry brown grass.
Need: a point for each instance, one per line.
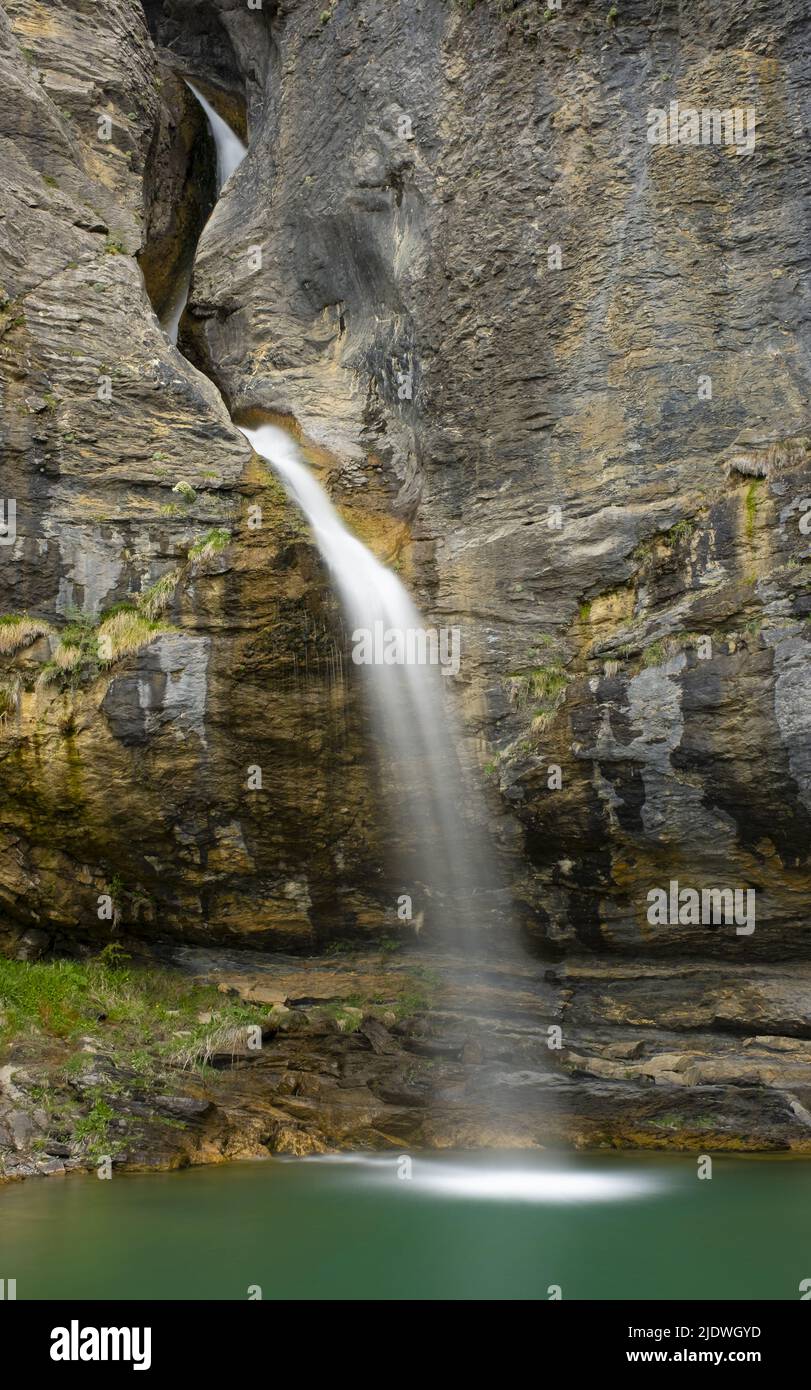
(125, 633)
(66, 658)
(19, 632)
(160, 595)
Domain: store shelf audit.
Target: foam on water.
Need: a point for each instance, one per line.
(512, 1181)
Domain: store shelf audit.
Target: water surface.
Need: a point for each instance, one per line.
(463, 1226)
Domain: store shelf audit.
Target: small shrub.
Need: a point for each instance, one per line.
(186, 491)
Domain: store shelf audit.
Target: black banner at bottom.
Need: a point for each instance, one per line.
(147, 1338)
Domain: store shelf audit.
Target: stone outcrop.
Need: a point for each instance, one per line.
(556, 374)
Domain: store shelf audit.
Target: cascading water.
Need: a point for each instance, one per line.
(170, 323)
(448, 858)
(230, 149)
(230, 154)
(445, 857)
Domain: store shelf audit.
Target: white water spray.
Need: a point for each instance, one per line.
(170, 323)
(230, 149)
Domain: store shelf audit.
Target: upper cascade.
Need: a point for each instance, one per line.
(230, 149)
(230, 153)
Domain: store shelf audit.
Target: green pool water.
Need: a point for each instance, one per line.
(462, 1226)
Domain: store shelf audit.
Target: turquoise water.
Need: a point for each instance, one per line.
(462, 1226)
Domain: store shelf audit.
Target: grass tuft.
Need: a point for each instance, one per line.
(124, 633)
(157, 598)
(17, 632)
(186, 491)
(212, 543)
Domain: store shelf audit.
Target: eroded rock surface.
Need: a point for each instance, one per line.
(556, 374)
(129, 775)
(410, 220)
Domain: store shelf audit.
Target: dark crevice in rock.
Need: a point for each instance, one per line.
(195, 42)
(219, 42)
(179, 192)
(196, 34)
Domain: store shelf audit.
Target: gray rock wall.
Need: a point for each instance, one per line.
(599, 476)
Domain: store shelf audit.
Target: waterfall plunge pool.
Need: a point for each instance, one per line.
(462, 1226)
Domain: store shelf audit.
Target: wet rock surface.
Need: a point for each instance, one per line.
(601, 466)
(495, 1056)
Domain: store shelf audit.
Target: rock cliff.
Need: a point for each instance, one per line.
(555, 373)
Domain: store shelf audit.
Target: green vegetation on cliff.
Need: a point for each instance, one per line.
(156, 1015)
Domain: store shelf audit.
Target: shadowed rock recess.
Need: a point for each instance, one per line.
(554, 374)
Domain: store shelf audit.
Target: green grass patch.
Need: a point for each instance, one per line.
(546, 683)
(133, 1013)
(92, 1128)
(664, 648)
(212, 543)
(655, 654)
(676, 535)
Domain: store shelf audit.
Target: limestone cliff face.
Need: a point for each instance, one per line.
(555, 372)
(129, 752)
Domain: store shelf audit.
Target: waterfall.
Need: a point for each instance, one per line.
(441, 846)
(170, 322)
(230, 154)
(445, 858)
(230, 149)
